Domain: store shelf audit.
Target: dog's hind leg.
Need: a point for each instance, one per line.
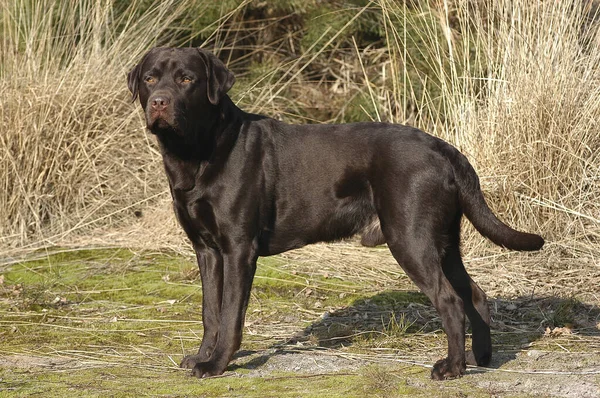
(424, 268)
(421, 260)
(417, 213)
(475, 305)
(482, 340)
(416, 220)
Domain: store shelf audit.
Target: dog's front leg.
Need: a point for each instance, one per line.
(238, 271)
(210, 263)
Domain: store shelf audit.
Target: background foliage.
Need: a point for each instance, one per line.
(514, 84)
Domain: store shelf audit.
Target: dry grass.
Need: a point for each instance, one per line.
(513, 84)
(67, 154)
(518, 85)
(74, 153)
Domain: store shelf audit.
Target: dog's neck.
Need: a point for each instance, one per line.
(213, 137)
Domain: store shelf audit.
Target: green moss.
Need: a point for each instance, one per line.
(109, 381)
(123, 321)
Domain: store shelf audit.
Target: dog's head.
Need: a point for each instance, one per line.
(177, 86)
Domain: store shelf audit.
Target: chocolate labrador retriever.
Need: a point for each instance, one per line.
(245, 185)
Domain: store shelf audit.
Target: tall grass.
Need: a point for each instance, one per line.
(537, 130)
(514, 84)
(515, 87)
(73, 150)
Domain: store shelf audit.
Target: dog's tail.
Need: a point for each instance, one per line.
(477, 211)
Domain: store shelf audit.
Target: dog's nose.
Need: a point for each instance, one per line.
(160, 103)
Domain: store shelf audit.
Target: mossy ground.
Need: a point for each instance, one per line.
(114, 322)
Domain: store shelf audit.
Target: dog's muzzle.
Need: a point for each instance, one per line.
(159, 112)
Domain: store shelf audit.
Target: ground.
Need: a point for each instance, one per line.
(327, 321)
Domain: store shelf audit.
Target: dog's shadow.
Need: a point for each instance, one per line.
(401, 320)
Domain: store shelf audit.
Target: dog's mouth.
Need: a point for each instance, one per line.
(160, 120)
(159, 123)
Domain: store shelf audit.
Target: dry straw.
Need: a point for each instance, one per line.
(513, 83)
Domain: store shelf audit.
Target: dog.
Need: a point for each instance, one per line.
(246, 185)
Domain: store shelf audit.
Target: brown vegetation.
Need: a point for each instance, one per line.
(514, 84)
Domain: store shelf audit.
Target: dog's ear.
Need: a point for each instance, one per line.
(219, 78)
(133, 81)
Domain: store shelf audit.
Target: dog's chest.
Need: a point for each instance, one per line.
(197, 217)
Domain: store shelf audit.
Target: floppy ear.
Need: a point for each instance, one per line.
(220, 79)
(133, 81)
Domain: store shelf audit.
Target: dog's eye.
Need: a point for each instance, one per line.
(150, 79)
(186, 80)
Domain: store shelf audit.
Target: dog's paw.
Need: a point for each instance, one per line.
(207, 369)
(201, 368)
(190, 361)
(444, 369)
